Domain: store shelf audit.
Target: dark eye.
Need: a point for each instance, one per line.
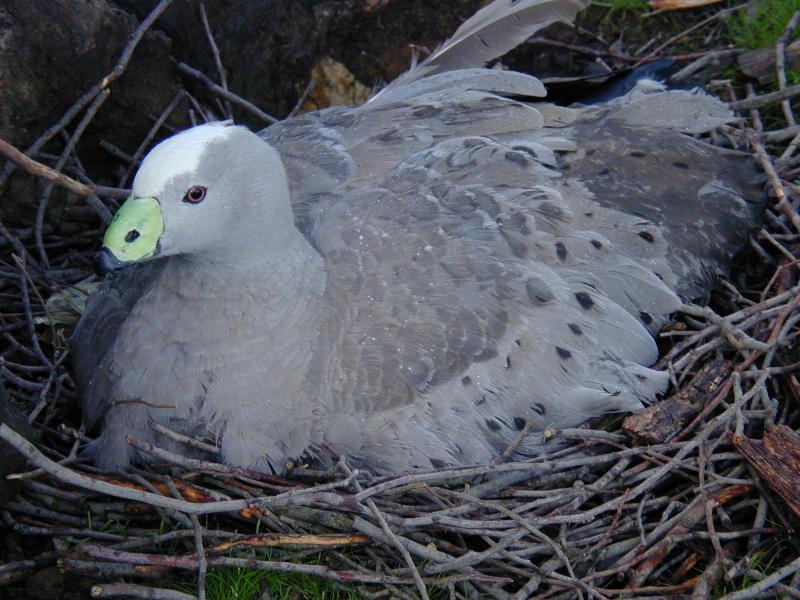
(195, 194)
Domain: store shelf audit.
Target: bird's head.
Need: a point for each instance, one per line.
(209, 191)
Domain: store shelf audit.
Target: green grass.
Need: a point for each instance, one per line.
(764, 26)
(767, 560)
(236, 583)
(233, 583)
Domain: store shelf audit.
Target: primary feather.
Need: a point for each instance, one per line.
(498, 28)
(490, 33)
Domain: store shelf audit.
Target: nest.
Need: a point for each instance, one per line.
(697, 496)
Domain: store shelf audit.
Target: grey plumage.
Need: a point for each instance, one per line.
(460, 263)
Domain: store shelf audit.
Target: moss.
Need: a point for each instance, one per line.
(762, 26)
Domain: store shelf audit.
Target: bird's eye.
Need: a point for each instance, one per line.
(195, 194)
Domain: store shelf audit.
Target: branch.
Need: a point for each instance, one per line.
(39, 170)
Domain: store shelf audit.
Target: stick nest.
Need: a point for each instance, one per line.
(695, 497)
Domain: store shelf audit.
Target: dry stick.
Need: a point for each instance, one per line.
(26, 302)
(780, 192)
(303, 97)
(746, 318)
(388, 531)
(684, 33)
(757, 590)
(19, 249)
(710, 58)
(89, 95)
(92, 200)
(755, 115)
(39, 170)
(115, 151)
(781, 135)
(205, 114)
(106, 570)
(186, 562)
(707, 504)
(526, 526)
(202, 562)
(62, 160)
(42, 403)
(227, 95)
(276, 540)
(137, 156)
(512, 447)
(166, 515)
(780, 64)
(738, 338)
(223, 79)
(97, 485)
(582, 49)
(766, 99)
(131, 590)
(185, 439)
(534, 466)
(11, 572)
(779, 247)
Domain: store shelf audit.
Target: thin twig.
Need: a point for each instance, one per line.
(226, 94)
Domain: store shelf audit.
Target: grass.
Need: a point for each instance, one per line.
(766, 560)
(234, 583)
(764, 26)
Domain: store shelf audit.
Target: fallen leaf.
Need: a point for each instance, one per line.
(334, 85)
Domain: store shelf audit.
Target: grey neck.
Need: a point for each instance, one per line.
(251, 314)
(286, 275)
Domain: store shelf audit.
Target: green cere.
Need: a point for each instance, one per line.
(135, 230)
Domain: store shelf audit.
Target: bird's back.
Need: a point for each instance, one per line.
(492, 262)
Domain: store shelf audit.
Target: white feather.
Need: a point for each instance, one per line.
(488, 34)
(175, 156)
(498, 28)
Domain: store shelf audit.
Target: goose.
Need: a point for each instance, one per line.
(412, 281)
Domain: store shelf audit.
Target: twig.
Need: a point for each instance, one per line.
(388, 530)
(185, 439)
(227, 95)
(769, 169)
(780, 64)
(757, 590)
(77, 479)
(91, 111)
(302, 99)
(132, 590)
(766, 99)
(39, 170)
(137, 156)
(183, 562)
(89, 95)
(223, 79)
(657, 51)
